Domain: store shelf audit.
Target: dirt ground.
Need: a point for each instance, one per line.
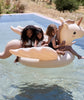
(50, 11)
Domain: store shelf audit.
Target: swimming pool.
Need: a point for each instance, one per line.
(18, 82)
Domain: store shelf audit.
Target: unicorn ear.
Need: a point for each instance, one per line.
(69, 21)
(65, 25)
(62, 20)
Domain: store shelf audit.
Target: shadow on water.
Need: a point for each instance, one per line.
(42, 92)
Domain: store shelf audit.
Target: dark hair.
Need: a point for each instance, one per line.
(38, 30)
(24, 36)
(50, 29)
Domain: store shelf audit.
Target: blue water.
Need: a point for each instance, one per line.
(19, 82)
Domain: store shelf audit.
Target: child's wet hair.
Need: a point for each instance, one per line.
(24, 36)
(38, 30)
(51, 28)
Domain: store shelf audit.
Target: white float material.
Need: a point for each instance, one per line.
(41, 53)
(42, 57)
(60, 62)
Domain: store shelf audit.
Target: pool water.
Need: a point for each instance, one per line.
(19, 82)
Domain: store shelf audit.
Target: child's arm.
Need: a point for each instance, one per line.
(45, 43)
(57, 46)
(35, 44)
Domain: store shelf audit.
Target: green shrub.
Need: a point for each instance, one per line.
(83, 3)
(7, 6)
(70, 5)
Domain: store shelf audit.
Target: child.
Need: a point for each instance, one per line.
(53, 41)
(26, 37)
(39, 36)
(27, 34)
(30, 34)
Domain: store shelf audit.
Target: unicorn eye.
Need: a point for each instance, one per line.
(74, 33)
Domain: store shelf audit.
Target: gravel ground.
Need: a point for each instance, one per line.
(50, 11)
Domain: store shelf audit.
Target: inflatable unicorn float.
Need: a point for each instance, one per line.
(46, 57)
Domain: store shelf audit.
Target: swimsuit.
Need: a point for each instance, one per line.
(38, 45)
(28, 44)
(50, 43)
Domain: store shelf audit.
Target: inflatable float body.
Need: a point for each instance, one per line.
(46, 57)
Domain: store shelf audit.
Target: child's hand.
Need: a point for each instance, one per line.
(43, 43)
(63, 43)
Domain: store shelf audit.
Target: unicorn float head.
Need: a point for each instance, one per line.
(70, 31)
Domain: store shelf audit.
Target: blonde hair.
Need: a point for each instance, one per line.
(51, 28)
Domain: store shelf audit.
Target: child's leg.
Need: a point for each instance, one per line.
(17, 59)
(69, 48)
(60, 52)
(16, 30)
